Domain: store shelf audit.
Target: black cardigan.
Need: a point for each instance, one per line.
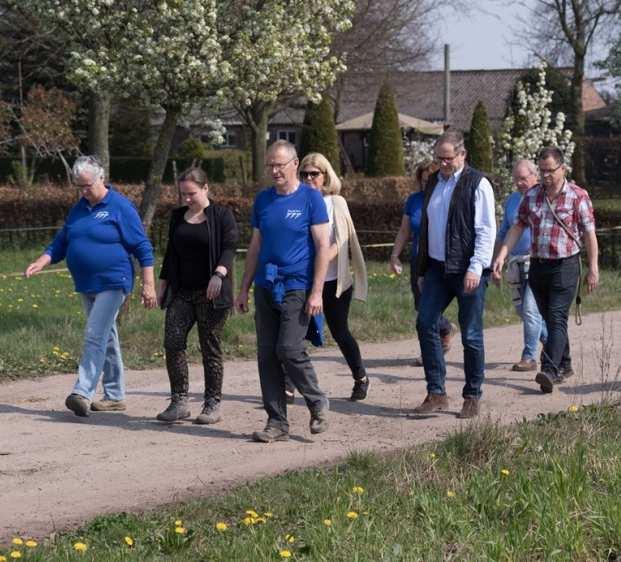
(223, 237)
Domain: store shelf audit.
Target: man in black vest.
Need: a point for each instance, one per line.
(456, 244)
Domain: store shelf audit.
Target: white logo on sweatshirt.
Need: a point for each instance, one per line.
(293, 213)
(101, 215)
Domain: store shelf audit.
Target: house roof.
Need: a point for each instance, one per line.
(365, 122)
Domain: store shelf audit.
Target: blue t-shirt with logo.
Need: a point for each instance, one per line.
(98, 243)
(414, 209)
(284, 222)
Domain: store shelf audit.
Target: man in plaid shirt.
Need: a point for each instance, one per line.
(555, 256)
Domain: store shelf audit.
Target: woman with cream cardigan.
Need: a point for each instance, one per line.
(340, 284)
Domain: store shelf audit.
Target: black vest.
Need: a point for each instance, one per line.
(460, 235)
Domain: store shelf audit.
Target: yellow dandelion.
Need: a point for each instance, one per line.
(358, 490)
(16, 554)
(80, 547)
(327, 522)
(290, 539)
(252, 513)
(129, 541)
(259, 519)
(180, 530)
(248, 521)
(572, 409)
(505, 472)
(2, 558)
(268, 514)
(178, 523)
(17, 540)
(433, 456)
(221, 526)
(450, 493)
(56, 348)
(285, 553)
(352, 515)
(20, 300)
(35, 305)
(31, 543)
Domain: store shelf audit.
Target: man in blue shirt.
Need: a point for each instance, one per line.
(525, 176)
(455, 252)
(287, 259)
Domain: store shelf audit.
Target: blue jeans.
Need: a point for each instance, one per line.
(534, 327)
(101, 350)
(439, 289)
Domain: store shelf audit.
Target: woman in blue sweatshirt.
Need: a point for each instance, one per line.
(101, 233)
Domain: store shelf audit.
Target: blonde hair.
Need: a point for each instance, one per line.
(332, 183)
(428, 166)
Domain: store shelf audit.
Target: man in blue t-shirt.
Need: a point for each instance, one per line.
(287, 259)
(525, 176)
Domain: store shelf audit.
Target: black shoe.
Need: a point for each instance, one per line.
(361, 387)
(78, 405)
(319, 421)
(290, 396)
(566, 372)
(270, 434)
(545, 382)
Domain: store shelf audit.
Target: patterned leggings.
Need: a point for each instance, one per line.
(187, 308)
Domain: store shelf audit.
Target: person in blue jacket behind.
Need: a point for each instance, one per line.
(101, 233)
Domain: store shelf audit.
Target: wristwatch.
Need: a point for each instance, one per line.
(219, 274)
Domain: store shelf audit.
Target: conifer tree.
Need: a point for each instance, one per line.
(480, 154)
(319, 132)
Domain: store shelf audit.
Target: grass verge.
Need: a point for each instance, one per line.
(42, 319)
(542, 490)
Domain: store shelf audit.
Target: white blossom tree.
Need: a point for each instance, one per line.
(278, 49)
(530, 127)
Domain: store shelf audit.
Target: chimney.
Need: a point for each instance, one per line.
(447, 85)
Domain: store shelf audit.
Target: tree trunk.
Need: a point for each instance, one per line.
(99, 127)
(577, 119)
(153, 185)
(257, 117)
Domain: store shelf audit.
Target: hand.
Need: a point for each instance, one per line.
(395, 265)
(314, 304)
(214, 287)
(241, 302)
(497, 269)
(37, 265)
(471, 282)
(591, 281)
(148, 297)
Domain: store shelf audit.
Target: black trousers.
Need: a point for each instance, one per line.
(336, 312)
(554, 284)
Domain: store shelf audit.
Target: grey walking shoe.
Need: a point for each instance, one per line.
(78, 405)
(319, 421)
(270, 434)
(211, 413)
(177, 409)
(106, 405)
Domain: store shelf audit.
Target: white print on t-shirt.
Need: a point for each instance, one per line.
(101, 215)
(293, 213)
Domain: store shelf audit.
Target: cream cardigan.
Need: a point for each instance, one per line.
(347, 239)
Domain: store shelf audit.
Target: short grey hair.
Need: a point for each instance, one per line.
(283, 145)
(454, 138)
(90, 164)
(526, 163)
(552, 152)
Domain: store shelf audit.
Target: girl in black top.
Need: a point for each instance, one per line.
(196, 287)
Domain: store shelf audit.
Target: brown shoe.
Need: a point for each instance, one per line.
(106, 405)
(432, 403)
(470, 409)
(525, 365)
(448, 338)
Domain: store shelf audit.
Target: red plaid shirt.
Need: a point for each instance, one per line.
(548, 239)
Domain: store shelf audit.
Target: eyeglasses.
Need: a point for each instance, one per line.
(278, 166)
(310, 175)
(549, 172)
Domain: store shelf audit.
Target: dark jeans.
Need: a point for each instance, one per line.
(438, 291)
(554, 284)
(280, 348)
(444, 326)
(336, 312)
(187, 308)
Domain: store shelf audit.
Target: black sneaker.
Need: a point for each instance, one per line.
(270, 434)
(78, 405)
(361, 387)
(545, 382)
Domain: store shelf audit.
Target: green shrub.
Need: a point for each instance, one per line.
(385, 142)
(479, 143)
(192, 149)
(319, 132)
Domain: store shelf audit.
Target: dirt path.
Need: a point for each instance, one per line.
(57, 470)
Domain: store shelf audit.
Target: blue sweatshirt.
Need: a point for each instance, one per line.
(98, 241)
(512, 204)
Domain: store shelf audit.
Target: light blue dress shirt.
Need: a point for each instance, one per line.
(484, 221)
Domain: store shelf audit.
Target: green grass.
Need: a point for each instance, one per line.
(543, 490)
(43, 321)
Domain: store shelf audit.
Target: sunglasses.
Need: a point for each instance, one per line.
(310, 175)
